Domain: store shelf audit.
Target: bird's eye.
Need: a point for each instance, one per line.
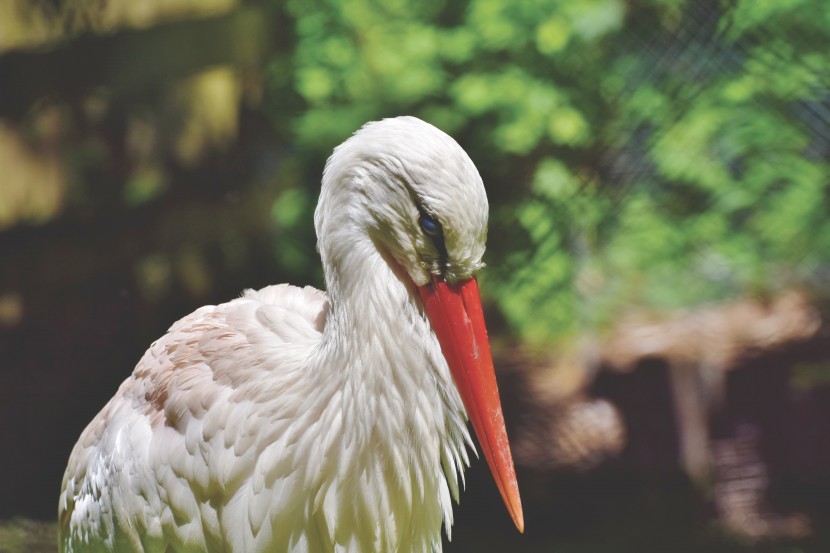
(431, 226)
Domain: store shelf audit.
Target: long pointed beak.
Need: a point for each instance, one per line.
(458, 321)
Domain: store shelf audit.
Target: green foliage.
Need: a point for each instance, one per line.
(657, 153)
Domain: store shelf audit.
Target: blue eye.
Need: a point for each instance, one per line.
(431, 226)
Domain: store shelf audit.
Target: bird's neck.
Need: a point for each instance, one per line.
(376, 326)
(390, 390)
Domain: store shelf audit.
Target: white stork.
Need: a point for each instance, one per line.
(293, 420)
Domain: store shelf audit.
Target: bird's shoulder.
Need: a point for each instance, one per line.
(286, 306)
(267, 330)
(220, 351)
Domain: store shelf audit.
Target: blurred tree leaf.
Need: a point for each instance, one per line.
(656, 153)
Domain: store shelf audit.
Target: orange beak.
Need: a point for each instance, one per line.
(458, 321)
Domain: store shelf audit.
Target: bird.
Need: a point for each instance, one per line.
(295, 420)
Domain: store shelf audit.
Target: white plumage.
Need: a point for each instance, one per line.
(289, 420)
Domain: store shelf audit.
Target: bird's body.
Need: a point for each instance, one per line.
(290, 420)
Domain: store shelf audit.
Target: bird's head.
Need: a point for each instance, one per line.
(416, 194)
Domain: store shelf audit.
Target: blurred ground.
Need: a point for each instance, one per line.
(21, 535)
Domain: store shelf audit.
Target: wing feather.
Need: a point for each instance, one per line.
(157, 465)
